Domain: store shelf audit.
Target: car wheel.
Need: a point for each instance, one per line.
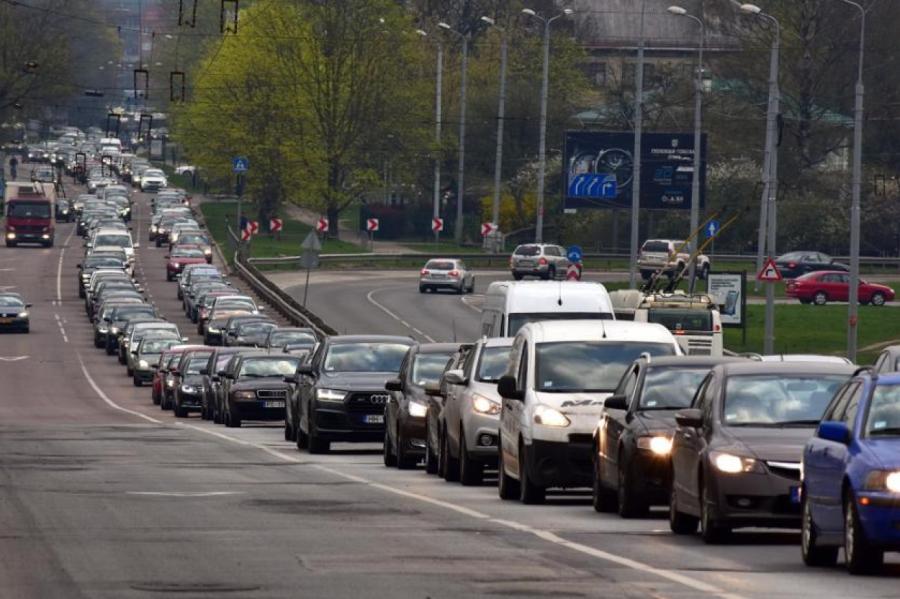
(137, 382)
(288, 429)
(679, 522)
(449, 465)
(471, 472)
(316, 444)
(820, 298)
(231, 421)
(877, 299)
(507, 487)
(517, 276)
(154, 396)
(216, 414)
(129, 372)
(168, 277)
(631, 504)
(472, 286)
(529, 493)
(813, 553)
(109, 349)
(390, 458)
(861, 557)
(602, 498)
(404, 460)
(180, 412)
(462, 288)
(711, 530)
(421, 289)
(431, 458)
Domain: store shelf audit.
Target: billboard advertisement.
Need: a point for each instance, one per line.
(728, 290)
(599, 170)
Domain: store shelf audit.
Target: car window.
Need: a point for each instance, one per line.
(439, 265)
(668, 388)
(849, 415)
(778, 399)
(629, 382)
(655, 246)
(588, 366)
(427, 368)
(551, 251)
(492, 364)
(282, 338)
(681, 320)
(528, 250)
(839, 401)
(518, 320)
(264, 367)
(883, 418)
(365, 357)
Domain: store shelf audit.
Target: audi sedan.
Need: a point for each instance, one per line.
(446, 273)
(14, 314)
(256, 389)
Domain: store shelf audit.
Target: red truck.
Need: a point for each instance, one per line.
(29, 219)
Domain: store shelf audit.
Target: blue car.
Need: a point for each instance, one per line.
(851, 476)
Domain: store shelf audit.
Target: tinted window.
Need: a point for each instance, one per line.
(494, 361)
(528, 250)
(113, 240)
(517, 321)
(440, 265)
(195, 365)
(365, 357)
(571, 366)
(427, 368)
(670, 388)
(187, 253)
(29, 210)
(767, 400)
(268, 367)
(282, 338)
(681, 320)
(156, 346)
(883, 418)
(655, 246)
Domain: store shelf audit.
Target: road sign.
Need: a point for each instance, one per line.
(245, 234)
(488, 228)
(254, 227)
(711, 229)
(573, 272)
(240, 165)
(594, 185)
(371, 225)
(321, 225)
(311, 243)
(769, 272)
(574, 254)
(275, 225)
(437, 225)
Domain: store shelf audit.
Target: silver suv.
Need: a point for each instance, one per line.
(668, 256)
(542, 260)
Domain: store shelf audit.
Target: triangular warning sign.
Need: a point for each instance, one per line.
(769, 272)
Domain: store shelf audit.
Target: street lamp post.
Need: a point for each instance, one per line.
(542, 149)
(698, 108)
(636, 173)
(436, 201)
(460, 191)
(501, 113)
(853, 308)
(770, 173)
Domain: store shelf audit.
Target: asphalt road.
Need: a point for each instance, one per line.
(104, 495)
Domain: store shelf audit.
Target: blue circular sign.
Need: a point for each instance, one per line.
(574, 254)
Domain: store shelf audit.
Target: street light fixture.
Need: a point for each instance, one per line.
(501, 113)
(436, 199)
(679, 11)
(542, 150)
(460, 191)
(767, 217)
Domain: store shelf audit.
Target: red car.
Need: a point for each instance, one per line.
(834, 286)
(180, 256)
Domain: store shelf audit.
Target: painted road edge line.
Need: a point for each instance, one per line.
(375, 303)
(107, 400)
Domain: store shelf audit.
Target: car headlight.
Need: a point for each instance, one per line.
(213, 330)
(659, 445)
(114, 330)
(102, 330)
(883, 480)
(176, 265)
(483, 405)
(332, 395)
(190, 389)
(548, 416)
(153, 228)
(23, 314)
(207, 251)
(245, 394)
(170, 383)
(732, 464)
(417, 409)
(143, 365)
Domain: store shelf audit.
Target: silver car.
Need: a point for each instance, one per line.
(446, 273)
(543, 260)
(470, 420)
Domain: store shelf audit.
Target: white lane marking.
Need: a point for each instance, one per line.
(392, 315)
(62, 254)
(184, 493)
(13, 358)
(62, 329)
(106, 399)
(465, 300)
(7, 269)
(542, 534)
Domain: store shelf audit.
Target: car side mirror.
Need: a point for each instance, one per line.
(616, 402)
(394, 385)
(221, 373)
(455, 377)
(305, 369)
(215, 378)
(508, 389)
(28, 305)
(78, 266)
(167, 256)
(831, 430)
(691, 418)
(184, 339)
(136, 245)
(433, 389)
(204, 371)
(134, 353)
(292, 379)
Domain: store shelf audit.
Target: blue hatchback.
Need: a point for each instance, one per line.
(851, 476)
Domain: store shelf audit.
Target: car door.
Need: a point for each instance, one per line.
(395, 401)
(511, 410)
(818, 463)
(308, 389)
(834, 460)
(686, 461)
(454, 398)
(612, 424)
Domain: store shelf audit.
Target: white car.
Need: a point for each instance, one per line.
(558, 377)
(446, 273)
(153, 179)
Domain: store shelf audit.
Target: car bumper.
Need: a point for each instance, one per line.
(189, 400)
(145, 376)
(482, 436)
(13, 324)
(339, 424)
(652, 475)
(540, 269)
(880, 519)
(742, 500)
(440, 283)
(253, 409)
(412, 430)
(555, 464)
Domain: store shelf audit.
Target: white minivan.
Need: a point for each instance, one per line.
(508, 305)
(559, 375)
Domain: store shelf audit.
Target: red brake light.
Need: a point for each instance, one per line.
(424, 272)
(542, 261)
(792, 265)
(454, 273)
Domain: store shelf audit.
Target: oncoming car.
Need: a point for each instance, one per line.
(14, 314)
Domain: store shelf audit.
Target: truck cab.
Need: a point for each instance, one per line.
(29, 219)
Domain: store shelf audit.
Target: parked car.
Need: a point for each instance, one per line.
(668, 257)
(446, 273)
(826, 286)
(851, 476)
(404, 412)
(736, 451)
(795, 264)
(542, 260)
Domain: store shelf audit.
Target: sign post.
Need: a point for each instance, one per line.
(575, 268)
(239, 166)
(437, 225)
(309, 259)
(372, 225)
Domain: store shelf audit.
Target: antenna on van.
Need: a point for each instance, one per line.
(603, 328)
(453, 324)
(559, 293)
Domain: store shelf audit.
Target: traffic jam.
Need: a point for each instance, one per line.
(629, 395)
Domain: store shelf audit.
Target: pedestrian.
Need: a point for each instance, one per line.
(13, 167)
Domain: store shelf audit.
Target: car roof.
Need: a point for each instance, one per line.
(757, 367)
(437, 348)
(688, 361)
(597, 330)
(888, 378)
(337, 339)
(498, 342)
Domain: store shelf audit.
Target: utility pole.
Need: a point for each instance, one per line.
(501, 113)
(438, 91)
(460, 192)
(638, 132)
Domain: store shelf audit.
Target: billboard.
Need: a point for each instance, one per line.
(729, 291)
(598, 170)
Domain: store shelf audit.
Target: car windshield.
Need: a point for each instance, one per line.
(222, 361)
(493, 364)
(255, 328)
(187, 253)
(152, 172)
(113, 240)
(778, 399)
(10, 302)
(164, 333)
(157, 346)
(681, 320)
(282, 338)
(197, 363)
(656, 247)
(100, 262)
(260, 367)
(129, 311)
(29, 210)
(194, 239)
(883, 418)
(670, 388)
(528, 250)
(235, 305)
(588, 366)
(440, 265)
(365, 357)
(519, 320)
(427, 368)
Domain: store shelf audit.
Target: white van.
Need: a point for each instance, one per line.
(510, 304)
(559, 375)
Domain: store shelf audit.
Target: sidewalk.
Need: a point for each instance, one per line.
(380, 247)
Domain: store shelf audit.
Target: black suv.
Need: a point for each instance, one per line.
(340, 394)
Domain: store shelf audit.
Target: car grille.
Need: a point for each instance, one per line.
(271, 393)
(29, 229)
(787, 470)
(367, 403)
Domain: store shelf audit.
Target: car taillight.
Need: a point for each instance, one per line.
(453, 273)
(424, 272)
(542, 261)
(792, 265)
(510, 261)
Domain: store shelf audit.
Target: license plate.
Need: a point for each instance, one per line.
(5, 320)
(795, 495)
(526, 262)
(273, 404)
(374, 419)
